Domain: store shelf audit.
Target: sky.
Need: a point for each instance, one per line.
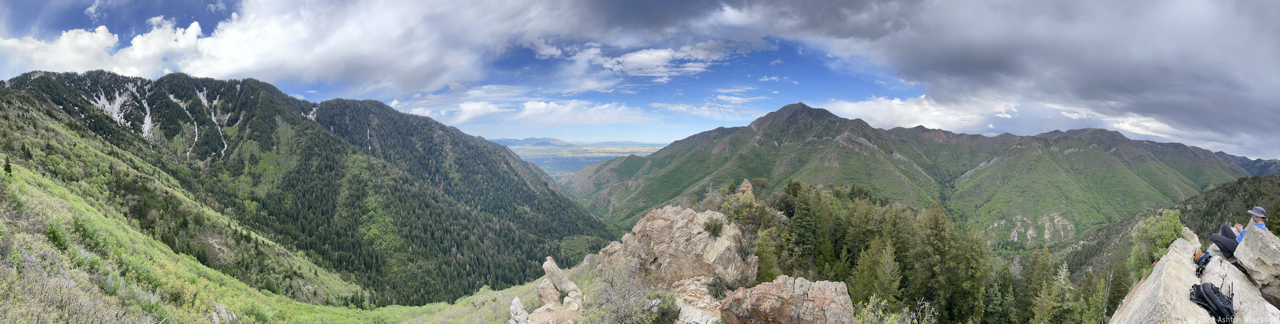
(1201, 72)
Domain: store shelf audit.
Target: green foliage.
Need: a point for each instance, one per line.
(767, 254)
(713, 226)
(621, 298)
(1151, 238)
(574, 248)
(877, 275)
(57, 235)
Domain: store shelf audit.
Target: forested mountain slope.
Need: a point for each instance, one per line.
(91, 232)
(420, 213)
(1025, 191)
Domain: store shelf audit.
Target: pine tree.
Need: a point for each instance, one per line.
(1001, 308)
(766, 253)
(8, 169)
(877, 275)
(1043, 305)
(804, 224)
(1097, 302)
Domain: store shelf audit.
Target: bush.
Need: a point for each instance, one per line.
(714, 226)
(621, 298)
(1151, 239)
(57, 236)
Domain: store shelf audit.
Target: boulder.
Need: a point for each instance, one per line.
(696, 304)
(554, 310)
(670, 245)
(518, 315)
(1249, 304)
(547, 293)
(1163, 297)
(221, 315)
(557, 277)
(788, 300)
(1271, 294)
(1259, 253)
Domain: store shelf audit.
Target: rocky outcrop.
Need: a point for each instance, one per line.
(1163, 297)
(553, 310)
(221, 315)
(1259, 253)
(670, 245)
(518, 315)
(1247, 300)
(696, 304)
(789, 300)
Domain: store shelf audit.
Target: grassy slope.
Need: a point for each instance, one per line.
(66, 184)
(287, 177)
(1068, 183)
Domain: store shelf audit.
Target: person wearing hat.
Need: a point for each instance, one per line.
(1228, 240)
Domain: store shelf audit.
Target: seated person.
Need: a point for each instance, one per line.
(1228, 240)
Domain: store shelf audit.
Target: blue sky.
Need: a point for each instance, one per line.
(1197, 72)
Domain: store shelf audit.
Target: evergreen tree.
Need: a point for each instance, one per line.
(1095, 313)
(1043, 305)
(877, 275)
(950, 267)
(1036, 272)
(804, 223)
(766, 253)
(8, 169)
(1001, 308)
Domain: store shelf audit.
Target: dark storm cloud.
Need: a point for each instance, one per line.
(1210, 68)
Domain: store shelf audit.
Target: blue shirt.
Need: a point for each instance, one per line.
(1241, 236)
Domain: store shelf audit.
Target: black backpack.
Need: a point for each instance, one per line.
(1212, 300)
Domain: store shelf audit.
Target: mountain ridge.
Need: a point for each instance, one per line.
(1013, 186)
(410, 218)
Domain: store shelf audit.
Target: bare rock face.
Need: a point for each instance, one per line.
(221, 315)
(670, 244)
(518, 315)
(789, 300)
(554, 311)
(696, 304)
(547, 293)
(1163, 297)
(1259, 253)
(1249, 304)
(1271, 294)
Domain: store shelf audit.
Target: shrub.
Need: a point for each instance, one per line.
(714, 226)
(1151, 239)
(621, 298)
(57, 236)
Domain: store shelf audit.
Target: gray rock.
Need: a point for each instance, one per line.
(670, 244)
(1271, 294)
(518, 315)
(1163, 296)
(788, 300)
(1259, 253)
(557, 277)
(1249, 304)
(547, 293)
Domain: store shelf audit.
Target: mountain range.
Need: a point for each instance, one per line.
(403, 209)
(1025, 191)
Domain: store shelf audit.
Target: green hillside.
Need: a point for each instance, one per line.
(398, 209)
(1025, 191)
(93, 233)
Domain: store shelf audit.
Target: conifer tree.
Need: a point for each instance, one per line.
(1043, 305)
(803, 223)
(8, 169)
(1097, 302)
(877, 275)
(766, 253)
